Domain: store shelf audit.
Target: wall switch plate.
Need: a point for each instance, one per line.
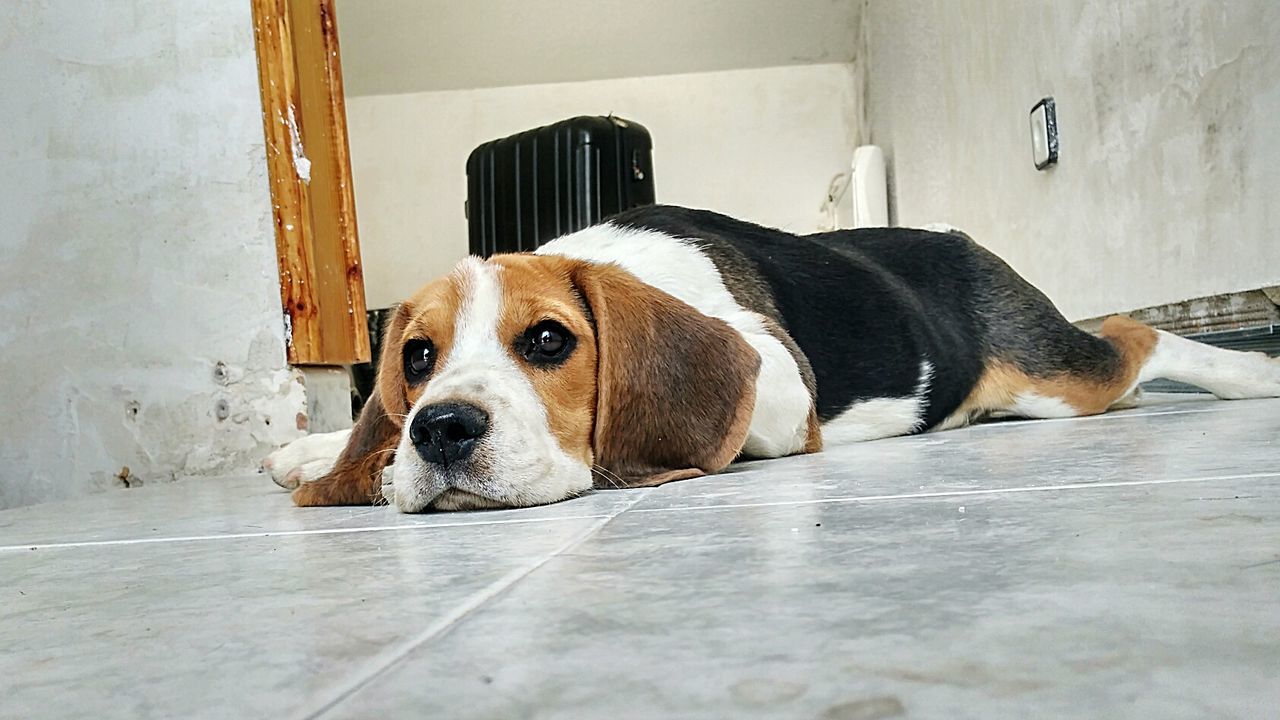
(1044, 133)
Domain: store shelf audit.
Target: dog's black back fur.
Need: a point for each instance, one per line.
(867, 307)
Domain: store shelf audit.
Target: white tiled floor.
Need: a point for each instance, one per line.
(1120, 566)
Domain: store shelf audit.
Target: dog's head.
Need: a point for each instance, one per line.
(527, 379)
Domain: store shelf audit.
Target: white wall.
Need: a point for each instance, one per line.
(136, 232)
(760, 144)
(1167, 187)
(401, 46)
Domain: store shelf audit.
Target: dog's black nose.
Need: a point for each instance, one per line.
(447, 433)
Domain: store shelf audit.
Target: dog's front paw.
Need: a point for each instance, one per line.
(388, 486)
(306, 459)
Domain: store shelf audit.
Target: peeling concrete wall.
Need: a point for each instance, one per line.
(762, 144)
(139, 287)
(1170, 122)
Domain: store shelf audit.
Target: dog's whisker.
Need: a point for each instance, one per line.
(609, 476)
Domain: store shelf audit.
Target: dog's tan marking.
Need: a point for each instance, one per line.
(997, 389)
(1092, 395)
(433, 316)
(1002, 384)
(1135, 341)
(813, 441)
(537, 288)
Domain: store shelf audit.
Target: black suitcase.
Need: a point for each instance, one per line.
(534, 186)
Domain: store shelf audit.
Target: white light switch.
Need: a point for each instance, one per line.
(1044, 133)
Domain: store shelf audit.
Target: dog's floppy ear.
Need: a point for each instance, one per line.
(389, 386)
(675, 388)
(356, 477)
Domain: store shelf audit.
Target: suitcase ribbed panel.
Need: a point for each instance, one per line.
(528, 188)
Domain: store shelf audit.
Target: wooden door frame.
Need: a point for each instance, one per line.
(309, 169)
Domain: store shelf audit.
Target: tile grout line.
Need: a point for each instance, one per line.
(291, 533)
(560, 518)
(960, 493)
(393, 656)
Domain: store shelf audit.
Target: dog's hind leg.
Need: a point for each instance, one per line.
(1037, 364)
(1056, 370)
(1074, 373)
(1229, 374)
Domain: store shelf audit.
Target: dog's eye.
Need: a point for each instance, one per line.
(419, 359)
(546, 343)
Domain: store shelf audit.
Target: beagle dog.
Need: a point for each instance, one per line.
(666, 342)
